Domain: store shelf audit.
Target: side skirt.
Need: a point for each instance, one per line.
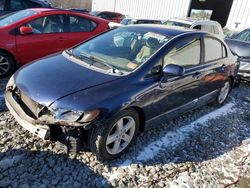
(167, 116)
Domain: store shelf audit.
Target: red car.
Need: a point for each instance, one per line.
(111, 16)
(33, 33)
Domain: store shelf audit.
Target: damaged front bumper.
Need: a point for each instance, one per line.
(42, 127)
(42, 131)
(244, 70)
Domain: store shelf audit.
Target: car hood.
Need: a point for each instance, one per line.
(239, 48)
(54, 77)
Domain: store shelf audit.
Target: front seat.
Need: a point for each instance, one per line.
(53, 25)
(150, 47)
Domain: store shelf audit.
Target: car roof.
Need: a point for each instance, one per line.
(44, 9)
(141, 19)
(41, 10)
(189, 20)
(162, 29)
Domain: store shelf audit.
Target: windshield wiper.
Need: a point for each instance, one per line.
(101, 61)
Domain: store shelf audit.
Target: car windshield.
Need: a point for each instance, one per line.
(94, 13)
(243, 36)
(124, 49)
(126, 21)
(175, 23)
(15, 17)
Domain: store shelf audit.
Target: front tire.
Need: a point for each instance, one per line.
(113, 139)
(7, 64)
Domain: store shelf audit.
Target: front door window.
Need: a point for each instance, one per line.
(47, 24)
(185, 53)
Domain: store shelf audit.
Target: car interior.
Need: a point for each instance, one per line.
(127, 50)
(48, 24)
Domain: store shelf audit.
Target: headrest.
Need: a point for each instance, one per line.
(152, 43)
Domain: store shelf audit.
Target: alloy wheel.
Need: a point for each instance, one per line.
(4, 65)
(120, 135)
(224, 92)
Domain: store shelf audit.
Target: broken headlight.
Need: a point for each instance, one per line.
(244, 66)
(10, 83)
(63, 115)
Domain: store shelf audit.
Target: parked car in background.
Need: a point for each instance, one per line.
(80, 10)
(240, 46)
(8, 6)
(111, 16)
(33, 33)
(193, 23)
(129, 21)
(102, 92)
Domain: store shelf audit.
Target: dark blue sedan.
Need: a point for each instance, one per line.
(101, 93)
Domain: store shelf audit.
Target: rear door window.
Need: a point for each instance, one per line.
(214, 49)
(79, 24)
(2, 4)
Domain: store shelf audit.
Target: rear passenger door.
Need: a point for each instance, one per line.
(214, 64)
(80, 29)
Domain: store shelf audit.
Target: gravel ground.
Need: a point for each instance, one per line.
(207, 147)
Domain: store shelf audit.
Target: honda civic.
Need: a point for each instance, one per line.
(100, 94)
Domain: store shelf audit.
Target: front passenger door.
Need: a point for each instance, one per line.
(48, 36)
(178, 91)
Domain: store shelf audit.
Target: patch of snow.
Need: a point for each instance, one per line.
(8, 162)
(113, 175)
(248, 144)
(173, 138)
(125, 164)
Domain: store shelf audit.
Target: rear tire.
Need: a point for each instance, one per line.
(113, 139)
(7, 64)
(223, 93)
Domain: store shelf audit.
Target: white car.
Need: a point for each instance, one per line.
(193, 23)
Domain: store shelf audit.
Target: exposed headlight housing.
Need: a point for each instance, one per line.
(67, 116)
(11, 82)
(244, 65)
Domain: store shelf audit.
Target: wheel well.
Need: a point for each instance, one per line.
(232, 81)
(141, 117)
(9, 53)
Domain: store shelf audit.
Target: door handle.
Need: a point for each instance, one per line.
(223, 67)
(197, 75)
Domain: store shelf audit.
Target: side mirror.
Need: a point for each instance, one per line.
(173, 70)
(24, 30)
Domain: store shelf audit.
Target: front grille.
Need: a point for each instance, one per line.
(29, 106)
